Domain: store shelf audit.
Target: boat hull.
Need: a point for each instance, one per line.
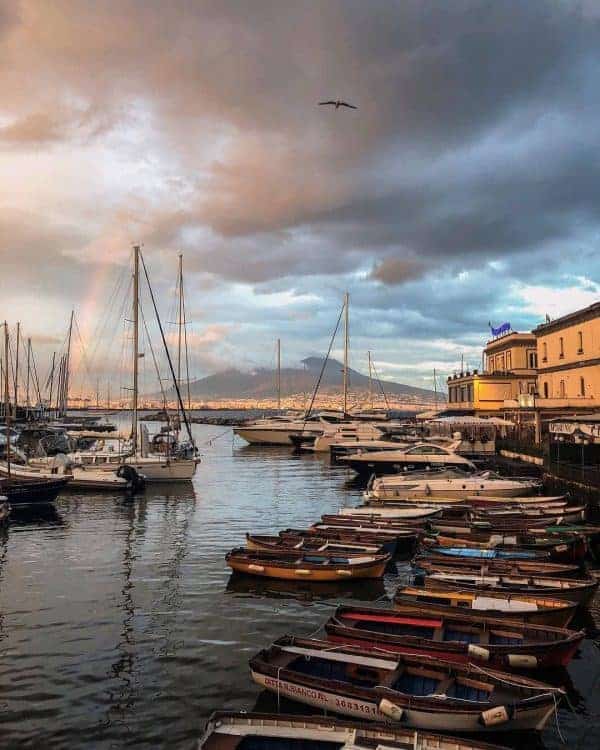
(179, 470)
(347, 704)
(304, 573)
(261, 436)
(560, 617)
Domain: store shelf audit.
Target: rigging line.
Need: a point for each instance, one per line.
(384, 394)
(162, 390)
(98, 334)
(162, 333)
(84, 358)
(185, 340)
(318, 383)
(35, 378)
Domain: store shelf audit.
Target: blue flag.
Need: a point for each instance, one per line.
(504, 328)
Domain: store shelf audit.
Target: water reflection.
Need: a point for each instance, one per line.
(40, 514)
(306, 591)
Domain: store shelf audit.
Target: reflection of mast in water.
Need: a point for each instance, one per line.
(122, 669)
(169, 601)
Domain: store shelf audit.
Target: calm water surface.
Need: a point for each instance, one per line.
(120, 625)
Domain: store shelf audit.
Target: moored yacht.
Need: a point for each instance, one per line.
(279, 429)
(390, 488)
(417, 457)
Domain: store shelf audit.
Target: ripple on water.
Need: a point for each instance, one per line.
(120, 624)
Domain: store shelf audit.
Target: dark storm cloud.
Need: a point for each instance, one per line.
(475, 141)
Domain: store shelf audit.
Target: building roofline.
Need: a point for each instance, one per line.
(579, 316)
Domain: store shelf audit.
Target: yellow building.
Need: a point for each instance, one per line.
(569, 361)
(509, 377)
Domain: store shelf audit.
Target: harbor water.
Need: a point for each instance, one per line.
(121, 626)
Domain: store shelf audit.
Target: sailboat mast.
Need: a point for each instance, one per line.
(279, 373)
(136, 294)
(370, 381)
(435, 387)
(346, 342)
(67, 371)
(17, 367)
(6, 398)
(28, 373)
(180, 284)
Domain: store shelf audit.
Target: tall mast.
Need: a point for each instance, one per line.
(279, 373)
(370, 381)
(28, 373)
(435, 387)
(346, 341)
(51, 381)
(180, 318)
(136, 301)
(67, 371)
(108, 394)
(17, 367)
(6, 398)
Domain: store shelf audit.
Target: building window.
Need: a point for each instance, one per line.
(508, 360)
(562, 348)
(544, 352)
(561, 389)
(546, 390)
(580, 340)
(532, 357)
(581, 387)
(531, 388)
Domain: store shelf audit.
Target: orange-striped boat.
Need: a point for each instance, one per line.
(306, 566)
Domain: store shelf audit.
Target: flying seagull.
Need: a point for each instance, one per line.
(338, 103)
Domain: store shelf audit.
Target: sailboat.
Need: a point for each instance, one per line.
(179, 461)
(162, 458)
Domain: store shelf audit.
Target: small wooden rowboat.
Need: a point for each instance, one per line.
(455, 637)
(302, 566)
(309, 543)
(408, 512)
(374, 521)
(395, 541)
(495, 567)
(420, 692)
(566, 549)
(491, 501)
(543, 610)
(569, 514)
(570, 589)
(481, 554)
(227, 730)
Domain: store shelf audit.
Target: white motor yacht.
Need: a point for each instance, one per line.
(417, 457)
(279, 430)
(391, 488)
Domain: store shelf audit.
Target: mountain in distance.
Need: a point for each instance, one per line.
(260, 383)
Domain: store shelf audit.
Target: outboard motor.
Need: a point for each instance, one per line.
(136, 481)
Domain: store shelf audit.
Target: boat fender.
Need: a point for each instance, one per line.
(346, 573)
(522, 661)
(256, 568)
(561, 548)
(494, 716)
(302, 572)
(391, 710)
(478, 652)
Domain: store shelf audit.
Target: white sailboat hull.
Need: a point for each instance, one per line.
(163, 470)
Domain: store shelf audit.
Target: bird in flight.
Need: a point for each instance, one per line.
(338, 103)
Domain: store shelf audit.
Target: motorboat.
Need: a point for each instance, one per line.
(418, 457)
(458, 486)
(279, 429)
(357, 431)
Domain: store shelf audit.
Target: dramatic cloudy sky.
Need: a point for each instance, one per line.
(465, 188)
